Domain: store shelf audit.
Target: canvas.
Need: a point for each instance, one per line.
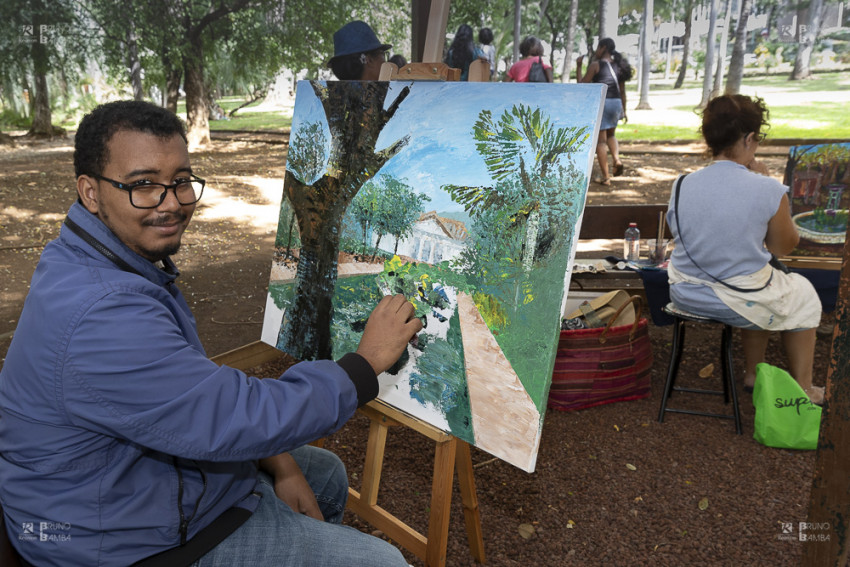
(818, 176)
(465, 197)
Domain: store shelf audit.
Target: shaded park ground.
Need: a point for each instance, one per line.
(585, 505)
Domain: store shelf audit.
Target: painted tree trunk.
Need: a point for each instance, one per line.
(531, 239)
(305, 330)
(356, 115)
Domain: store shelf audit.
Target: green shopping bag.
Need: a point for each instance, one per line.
(785, 417)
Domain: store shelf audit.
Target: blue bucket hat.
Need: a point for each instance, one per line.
(356, 37)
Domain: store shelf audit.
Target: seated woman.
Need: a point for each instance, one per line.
(726, 220)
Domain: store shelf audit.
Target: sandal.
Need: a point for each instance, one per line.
(606, 181)
(618, 169)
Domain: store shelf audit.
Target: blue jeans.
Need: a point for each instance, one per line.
(276, 536)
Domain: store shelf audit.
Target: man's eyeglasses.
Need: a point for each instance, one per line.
(145, 195)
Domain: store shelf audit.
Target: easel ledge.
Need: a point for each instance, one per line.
(451, 454)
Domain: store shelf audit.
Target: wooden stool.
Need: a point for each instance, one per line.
(680, 318)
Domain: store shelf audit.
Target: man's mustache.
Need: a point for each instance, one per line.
(165, 220)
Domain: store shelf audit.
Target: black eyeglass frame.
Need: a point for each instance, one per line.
(129, 189)
(759, 136)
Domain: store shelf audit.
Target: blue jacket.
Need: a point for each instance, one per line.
(115, 427)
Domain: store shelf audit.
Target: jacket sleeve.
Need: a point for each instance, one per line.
(129, 371)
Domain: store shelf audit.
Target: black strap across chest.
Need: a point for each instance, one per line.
(684, 248)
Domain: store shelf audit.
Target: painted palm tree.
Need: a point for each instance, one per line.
(522, 146)
(355, 115)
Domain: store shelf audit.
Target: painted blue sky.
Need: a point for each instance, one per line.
(439, 117)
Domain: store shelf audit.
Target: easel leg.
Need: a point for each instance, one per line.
(471, 513)
(441, 499)
(374, 462)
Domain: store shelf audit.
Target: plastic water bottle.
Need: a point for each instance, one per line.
(631, 243)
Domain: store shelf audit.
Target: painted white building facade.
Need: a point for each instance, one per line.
(434, 239)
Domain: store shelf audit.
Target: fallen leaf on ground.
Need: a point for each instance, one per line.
(703, 504)
(631, 467)
(706, 371)
(526, 530)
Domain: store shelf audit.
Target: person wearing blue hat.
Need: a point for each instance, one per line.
(358, 53)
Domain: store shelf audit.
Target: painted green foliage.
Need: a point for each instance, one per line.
(515, 218)
(387, 205)
(521, 225)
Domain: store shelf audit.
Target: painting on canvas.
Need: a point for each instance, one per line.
(818, 177)
(465, 197)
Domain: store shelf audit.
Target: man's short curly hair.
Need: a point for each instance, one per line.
(97, 128)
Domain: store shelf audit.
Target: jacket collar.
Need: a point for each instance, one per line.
(100, 232)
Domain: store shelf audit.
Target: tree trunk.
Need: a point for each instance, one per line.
(517, 29)
(686, 44)
(647, 31)
(802, 64)
(196, 100)
(355, 114)
(571, 37)
(133, 63)
(532, 230)
(172, 88)
(305, 331)
(41, 118)
(289, 235)
(721, 58)
(544, 5)
(709, 55)
(736, 62)
(609, 11)
(377, 245)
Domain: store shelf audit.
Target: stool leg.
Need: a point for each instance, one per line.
(673, 367)
(725, 342)
(680, 350)
(729, 371)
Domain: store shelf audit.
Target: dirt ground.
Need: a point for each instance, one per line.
(612, 486)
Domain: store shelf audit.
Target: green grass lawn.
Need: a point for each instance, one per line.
(245, 119)
(798, 109)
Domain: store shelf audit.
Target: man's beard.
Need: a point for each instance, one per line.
(162, 253)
